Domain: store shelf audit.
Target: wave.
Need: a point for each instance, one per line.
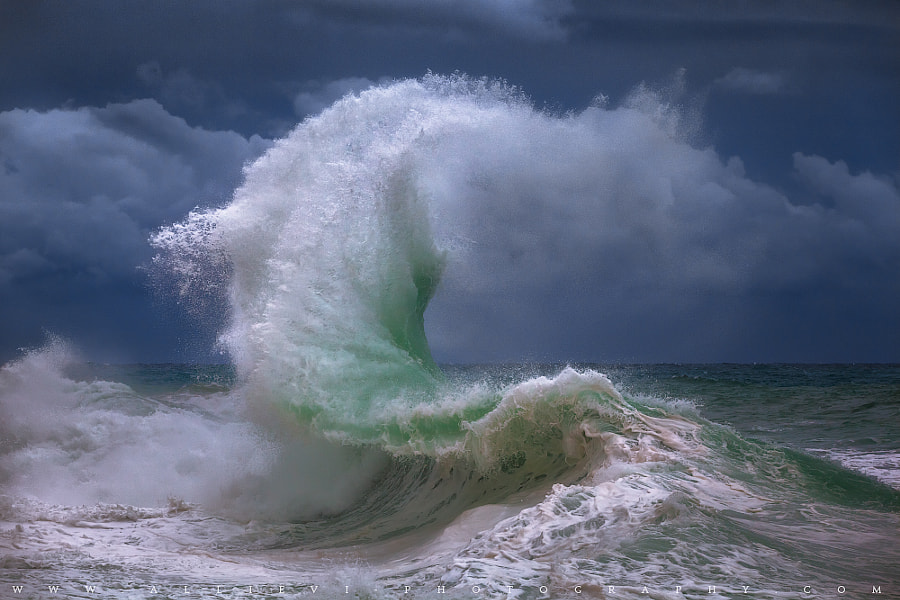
(328, 255)
(341, 431)
(554, 481)
(108, 444)
(332, 248)
(70, 441)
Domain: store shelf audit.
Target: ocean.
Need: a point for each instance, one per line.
(333, 457)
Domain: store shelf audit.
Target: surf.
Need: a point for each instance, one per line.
(336, 437)
(331, 250)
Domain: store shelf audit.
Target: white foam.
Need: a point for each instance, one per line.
(70, 443)
(883, 465)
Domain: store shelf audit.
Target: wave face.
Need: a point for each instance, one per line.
(330, 251)
(332, 248)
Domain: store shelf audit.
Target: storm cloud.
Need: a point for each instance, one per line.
(762, 227)
(82, 189)
(612, 231)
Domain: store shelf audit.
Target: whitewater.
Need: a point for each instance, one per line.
(333, 457)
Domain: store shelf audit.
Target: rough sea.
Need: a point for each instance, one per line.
(519, 481)
(333, 457)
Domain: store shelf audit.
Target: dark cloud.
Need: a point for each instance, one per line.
(533, 19)
(721, 14)
(631, 243)
(120, 118)
(80, 194)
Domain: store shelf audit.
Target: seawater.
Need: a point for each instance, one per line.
(151, 481)
(334, 457)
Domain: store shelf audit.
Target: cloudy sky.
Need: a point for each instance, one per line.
(776, 236)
